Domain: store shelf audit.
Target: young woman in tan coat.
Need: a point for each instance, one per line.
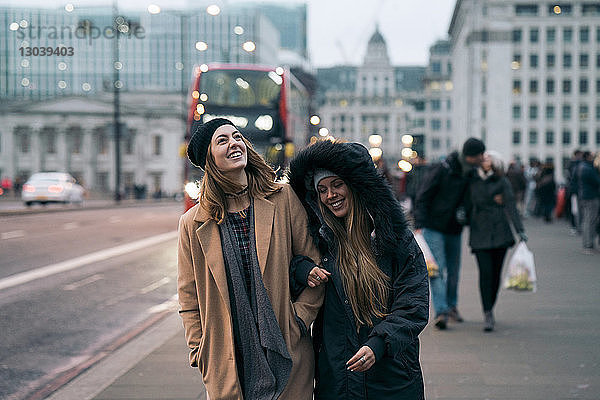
(246, 335)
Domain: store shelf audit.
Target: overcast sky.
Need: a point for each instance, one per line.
(338, 30)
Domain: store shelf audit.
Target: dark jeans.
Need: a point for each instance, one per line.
(490, 268)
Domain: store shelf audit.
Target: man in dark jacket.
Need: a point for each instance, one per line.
(438, 209)
(587, 188)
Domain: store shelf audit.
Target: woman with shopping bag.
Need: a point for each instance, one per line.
(491, 210)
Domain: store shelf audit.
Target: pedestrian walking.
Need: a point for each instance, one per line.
(573, 202)
(545, 192)
(588, 189)
(376, 300)
(246, 336)
(516, 176)
(438, 209)
(491, 210)
(530, 175)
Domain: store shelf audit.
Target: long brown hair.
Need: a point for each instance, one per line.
(367, 286)
(214, 186)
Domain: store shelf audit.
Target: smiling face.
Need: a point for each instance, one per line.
(335, 195)
(486, 165)
(228, 149)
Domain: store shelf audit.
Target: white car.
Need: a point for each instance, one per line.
(51, 187)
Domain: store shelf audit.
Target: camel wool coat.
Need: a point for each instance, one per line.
(281, 232)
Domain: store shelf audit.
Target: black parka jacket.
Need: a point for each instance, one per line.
(491, 222)
(440, 194)
(394, 340)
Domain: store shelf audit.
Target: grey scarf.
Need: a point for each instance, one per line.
(264, 363)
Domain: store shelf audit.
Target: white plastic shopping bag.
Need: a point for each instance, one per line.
(432, 267)
(521, 270)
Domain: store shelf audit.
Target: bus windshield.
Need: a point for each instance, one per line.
(240, 88)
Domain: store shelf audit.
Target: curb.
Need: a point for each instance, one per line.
(66, 377)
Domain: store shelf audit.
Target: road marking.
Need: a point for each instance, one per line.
(170, 305)
(83, 282)
(70, 225)
(155, 285)
(12, 234)
(114, 219)
(68, 265)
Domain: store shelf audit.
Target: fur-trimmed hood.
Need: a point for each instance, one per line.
(351, 162)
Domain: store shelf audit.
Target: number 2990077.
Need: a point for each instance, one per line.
(47, 51)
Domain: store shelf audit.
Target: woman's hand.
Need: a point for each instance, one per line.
(362, 360)
(317, 276)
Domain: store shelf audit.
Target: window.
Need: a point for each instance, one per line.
(533, 112)
(597, 85)
(533, 86)
(550, 35)
(584, 60)
(157, 145)
(598, 61)
(448, 124)
(75, 137)
(550, 60)
(567, 35)
(435, 143)
(516, 61)
(516, 112)
(436, 104)
(597, 112)
(583, 86)
(549, 137)
(590, 9)
(566, 112)
(419, 105)
(436, 124)
(534, 35)
(24, 139)
(566, 86)
(49, 135)
(516, 137)
(567, 60)
(483, 111)
(436, 67)
(533, 137)
(583, 137)
(584, 34)
(102, 180)
(549, 112)
(597, 137)
(549, 86)
(533, 60)
(449, 67)
(102, 140)
(566, 137)
(583, 112)
(448, 105)
(516, 86)
(516, 36)
(598, 34)
(526, 9)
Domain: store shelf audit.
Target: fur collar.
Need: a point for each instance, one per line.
(352, 163)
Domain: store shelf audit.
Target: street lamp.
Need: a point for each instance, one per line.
(375, 140)
(315, 120)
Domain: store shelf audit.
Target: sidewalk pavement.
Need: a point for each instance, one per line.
(545, 345)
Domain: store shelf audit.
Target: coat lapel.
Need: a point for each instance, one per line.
(264, 211)
(210, 240)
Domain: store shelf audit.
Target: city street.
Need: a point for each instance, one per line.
(73, 283)
(544, 346)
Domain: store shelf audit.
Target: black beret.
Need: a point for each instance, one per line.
(473, 147)
(198, 145)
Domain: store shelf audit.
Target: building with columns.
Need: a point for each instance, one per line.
(375, 98)
(75, 134)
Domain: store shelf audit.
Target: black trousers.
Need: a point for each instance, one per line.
(490, 268)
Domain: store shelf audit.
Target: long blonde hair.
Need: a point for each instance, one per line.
(366, 285)
(214, 186)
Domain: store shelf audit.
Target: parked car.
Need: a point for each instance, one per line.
(51, 187)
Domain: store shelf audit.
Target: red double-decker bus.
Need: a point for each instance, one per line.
(269, 105)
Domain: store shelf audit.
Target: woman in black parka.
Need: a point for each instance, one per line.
(491, 210)
(377, 294)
